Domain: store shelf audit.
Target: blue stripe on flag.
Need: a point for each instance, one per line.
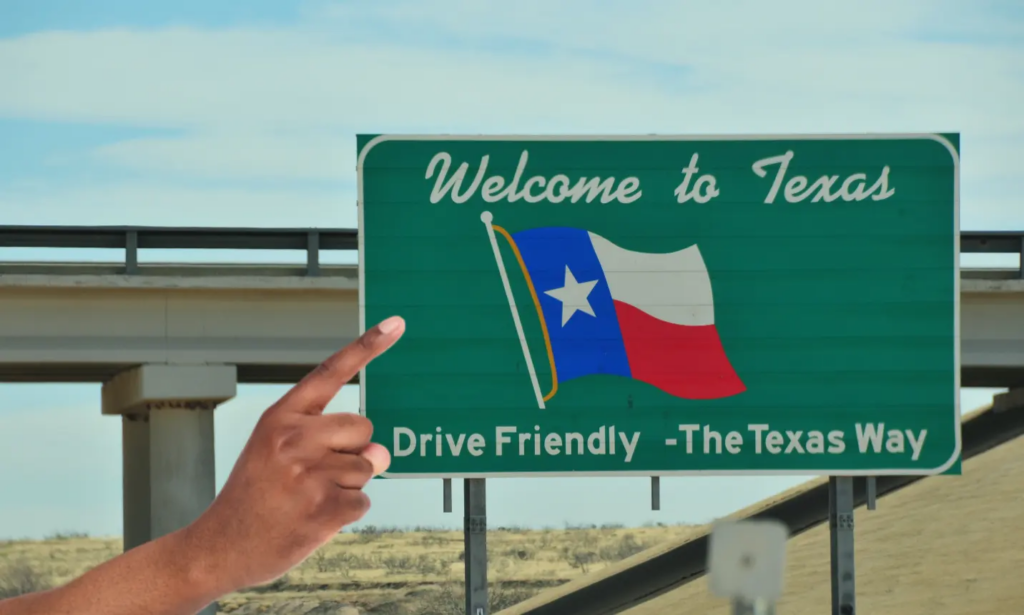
(586, 344)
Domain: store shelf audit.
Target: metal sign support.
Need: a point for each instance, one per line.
(475, 535)
(655, 493)
(840, 524)
(447, 495)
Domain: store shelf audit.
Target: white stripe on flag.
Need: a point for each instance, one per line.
(673, 287)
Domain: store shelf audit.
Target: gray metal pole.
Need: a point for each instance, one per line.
(655, 493)
(840, 523)
(475, 533)
(447, 503)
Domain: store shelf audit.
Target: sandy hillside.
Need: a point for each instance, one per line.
(947, 545)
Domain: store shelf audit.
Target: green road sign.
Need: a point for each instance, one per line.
(657, 305)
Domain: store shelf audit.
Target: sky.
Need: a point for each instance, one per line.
(192, 113)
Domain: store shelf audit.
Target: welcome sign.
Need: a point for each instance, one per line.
(663, 305)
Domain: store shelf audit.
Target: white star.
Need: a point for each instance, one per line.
(573, 296)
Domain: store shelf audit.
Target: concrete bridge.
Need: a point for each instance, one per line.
(169, 342)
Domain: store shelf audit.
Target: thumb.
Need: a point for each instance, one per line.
(378, 456)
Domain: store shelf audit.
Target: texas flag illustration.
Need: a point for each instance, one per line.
(607, 310)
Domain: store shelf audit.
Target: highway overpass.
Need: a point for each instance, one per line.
(87, 322)
(170, 342)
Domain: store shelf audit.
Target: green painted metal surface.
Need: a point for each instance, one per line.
(789, 306)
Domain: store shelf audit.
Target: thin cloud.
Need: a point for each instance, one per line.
(243, 155)
(169, 203)
(283, 104)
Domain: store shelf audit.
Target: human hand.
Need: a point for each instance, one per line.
(298, 480)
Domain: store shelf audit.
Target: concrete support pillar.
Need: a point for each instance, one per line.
(135, 479)
(169, 476)
(181, 466)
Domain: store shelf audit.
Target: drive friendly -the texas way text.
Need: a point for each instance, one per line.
(694, 439)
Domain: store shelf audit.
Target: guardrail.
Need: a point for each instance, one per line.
(995, 242)
(134, 238)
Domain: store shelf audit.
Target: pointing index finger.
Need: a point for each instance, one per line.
(320, 386)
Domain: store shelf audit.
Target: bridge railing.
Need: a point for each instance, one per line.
(134, 238)
(995, 242)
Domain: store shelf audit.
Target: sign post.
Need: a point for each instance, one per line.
(475, 551)
(840, 524)
(663, 305)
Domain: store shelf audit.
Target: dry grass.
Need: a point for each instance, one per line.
(948, 545)
(27, 566)
(378, 571)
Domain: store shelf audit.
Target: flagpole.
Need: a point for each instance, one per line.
(487, 218)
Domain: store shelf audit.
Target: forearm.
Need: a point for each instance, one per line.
(167, 576)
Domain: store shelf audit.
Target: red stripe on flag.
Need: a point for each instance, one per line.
(687, 362)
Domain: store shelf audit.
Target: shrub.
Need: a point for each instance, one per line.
(432, 539)
(423, 564)
(578, 557)
(624, 547)
(20, 578)
(67, 535)
(522, 552)
(450, 598)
